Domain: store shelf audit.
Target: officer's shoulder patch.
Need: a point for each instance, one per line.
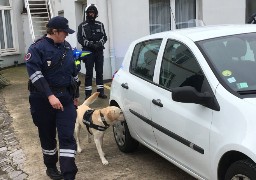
(27, 56)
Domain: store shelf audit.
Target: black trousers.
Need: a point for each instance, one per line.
(95, 58)
(47, 120)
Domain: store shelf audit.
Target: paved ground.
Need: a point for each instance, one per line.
(20, 151)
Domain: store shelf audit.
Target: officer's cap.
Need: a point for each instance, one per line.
(61, 23)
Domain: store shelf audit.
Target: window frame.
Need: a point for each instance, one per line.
(179, 64)
(132, 71)
(173, 14)
(250, 9)
(13, 50)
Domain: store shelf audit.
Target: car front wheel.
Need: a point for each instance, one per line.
(123, 138)
(241, 170)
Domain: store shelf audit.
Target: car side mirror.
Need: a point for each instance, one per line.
(188, 94)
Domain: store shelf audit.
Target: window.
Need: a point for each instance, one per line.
(185, 13)
(144, 59)
(179, 67)
(250, 9)
(6, 31)
(162, 12)
(233, 60)
(159, 16)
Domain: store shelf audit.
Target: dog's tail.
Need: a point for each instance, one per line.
(91, 99)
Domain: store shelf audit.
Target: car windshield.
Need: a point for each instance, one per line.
(233, 60)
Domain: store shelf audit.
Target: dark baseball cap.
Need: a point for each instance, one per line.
(60, 22)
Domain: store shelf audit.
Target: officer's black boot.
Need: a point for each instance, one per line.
(87, 96)
(54, 173)
(103, 96)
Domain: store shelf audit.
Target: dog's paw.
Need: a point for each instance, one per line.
(79, 150)
(104, 162)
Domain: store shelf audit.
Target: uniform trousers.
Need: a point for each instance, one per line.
(96, 58)
(47, 121)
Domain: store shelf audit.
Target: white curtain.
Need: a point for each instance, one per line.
(4, 3)
(8, 25)
(2, 44)
(159, 16)
(185, 11)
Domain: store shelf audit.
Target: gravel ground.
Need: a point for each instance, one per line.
(21, 156)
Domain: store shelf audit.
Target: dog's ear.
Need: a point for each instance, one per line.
(110, 114)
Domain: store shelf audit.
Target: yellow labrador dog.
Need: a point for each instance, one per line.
(95, 122)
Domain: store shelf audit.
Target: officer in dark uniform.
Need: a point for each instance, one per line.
(53, 79)
(91, 35)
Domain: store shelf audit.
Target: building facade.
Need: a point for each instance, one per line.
(124, 22)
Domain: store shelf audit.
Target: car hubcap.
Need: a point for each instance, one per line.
(119, 132)
(240, 177)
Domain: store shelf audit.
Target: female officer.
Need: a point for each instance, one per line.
(53, 76)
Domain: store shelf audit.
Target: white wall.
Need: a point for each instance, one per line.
(129, 19)
(26, 32)
(223, 12)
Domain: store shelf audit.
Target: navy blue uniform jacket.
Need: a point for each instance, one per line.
(46, 67)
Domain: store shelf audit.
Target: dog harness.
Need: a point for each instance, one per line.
(87, 120)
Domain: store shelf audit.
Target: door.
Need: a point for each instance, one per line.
(137, 94)
(182, 130)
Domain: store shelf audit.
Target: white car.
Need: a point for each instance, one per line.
(190, 96)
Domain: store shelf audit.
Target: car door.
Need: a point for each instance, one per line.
(182, 130)
(137, 93)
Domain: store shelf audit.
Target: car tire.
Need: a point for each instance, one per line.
(123, 138)
(243, 169)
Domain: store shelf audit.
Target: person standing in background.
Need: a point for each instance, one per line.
(92, 37)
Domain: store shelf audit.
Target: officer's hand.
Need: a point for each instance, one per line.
(91, 44)
(99, 44)
(94, 46)
(55, 102)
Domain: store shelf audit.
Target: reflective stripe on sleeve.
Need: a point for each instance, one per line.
(37, 75)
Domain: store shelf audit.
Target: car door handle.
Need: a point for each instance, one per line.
(125, 85)
(157, 102)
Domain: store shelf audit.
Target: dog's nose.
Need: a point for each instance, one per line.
(121, 112)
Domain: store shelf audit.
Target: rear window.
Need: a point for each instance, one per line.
(144, 58)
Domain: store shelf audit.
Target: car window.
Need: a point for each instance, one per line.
(144, 58)
(179, 67)
(233, 59)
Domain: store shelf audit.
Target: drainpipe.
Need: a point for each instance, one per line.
(111, 38)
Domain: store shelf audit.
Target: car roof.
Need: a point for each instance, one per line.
(207, 32)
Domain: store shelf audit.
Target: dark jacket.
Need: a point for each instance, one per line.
(91, 35)
(47, 68)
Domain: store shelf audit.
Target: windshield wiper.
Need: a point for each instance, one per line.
(247, 92)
